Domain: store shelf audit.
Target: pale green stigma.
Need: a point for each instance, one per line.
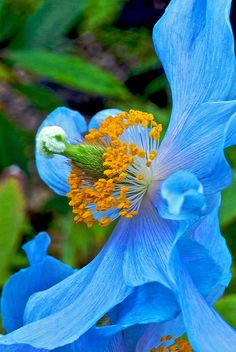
(85, 156)
(51, 140)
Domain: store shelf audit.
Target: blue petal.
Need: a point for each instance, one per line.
(198, 260)
(195, 43)
(149, 240)
(55, 171)
(73, 306)
(101, 116)
(36, 250)
(184, 196)
(204, 326)
(217, 247)
(15, 347)
(96, 341)
(151, 302)
(154, 332)
(199, 146)
(43, 273)
(132, 336)
(231, 132)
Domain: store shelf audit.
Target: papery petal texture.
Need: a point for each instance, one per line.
(54, 171)
(195, 43)
(44, 272)
(204, 325)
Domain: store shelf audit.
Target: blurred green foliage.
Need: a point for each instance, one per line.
(12, 210)
(72, 53)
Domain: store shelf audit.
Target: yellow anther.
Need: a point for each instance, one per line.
(104, 221)
(179, 345)
(118, 158)
(86, 214)
(155, 133)
(122, 176)
(152, 155)
(140, 177)
(162, 349)
(165, 338)
(123, 212)
(124, 189)
(141, 153)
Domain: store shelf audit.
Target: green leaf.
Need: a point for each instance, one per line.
(12, 149)
(133, 46)
(6, 74)
(226, 307)
(100, 12)
(81, 243)
(50, 23)
(8, 21)
(41, 98)
(70, 71)
(227, 210)
(159, 83)
(12, 204)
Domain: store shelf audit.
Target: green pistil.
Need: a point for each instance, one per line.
(88, 158)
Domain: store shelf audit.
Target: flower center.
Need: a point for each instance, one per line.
(180, 345)
(125, 147)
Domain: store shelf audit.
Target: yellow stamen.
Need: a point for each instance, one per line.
(162, 349)
(118, 156)
(155, 132)
(152, 155)
(104, 221)
(180, 345)
(140, 177)
(166, 338)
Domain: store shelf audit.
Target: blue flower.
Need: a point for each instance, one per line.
(45, 271)
(167, 196)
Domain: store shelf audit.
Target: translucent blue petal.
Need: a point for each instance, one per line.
(55, 171)
(73, 306)
(184, 196)
(215, 243)
(100, 116)
(231, 132)
(96, 341)
(195, 43)
(43, 273)
(15, 347)
(153, 333)
(205, 328)
(151, 302)
(198, 260)
(199, 146)
(149, 240)
(132, 336)
(36, 250)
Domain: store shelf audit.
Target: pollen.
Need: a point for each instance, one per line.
(179, 345)
(155, 132)
(166, 338)
(140, 177)
(111, 190)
